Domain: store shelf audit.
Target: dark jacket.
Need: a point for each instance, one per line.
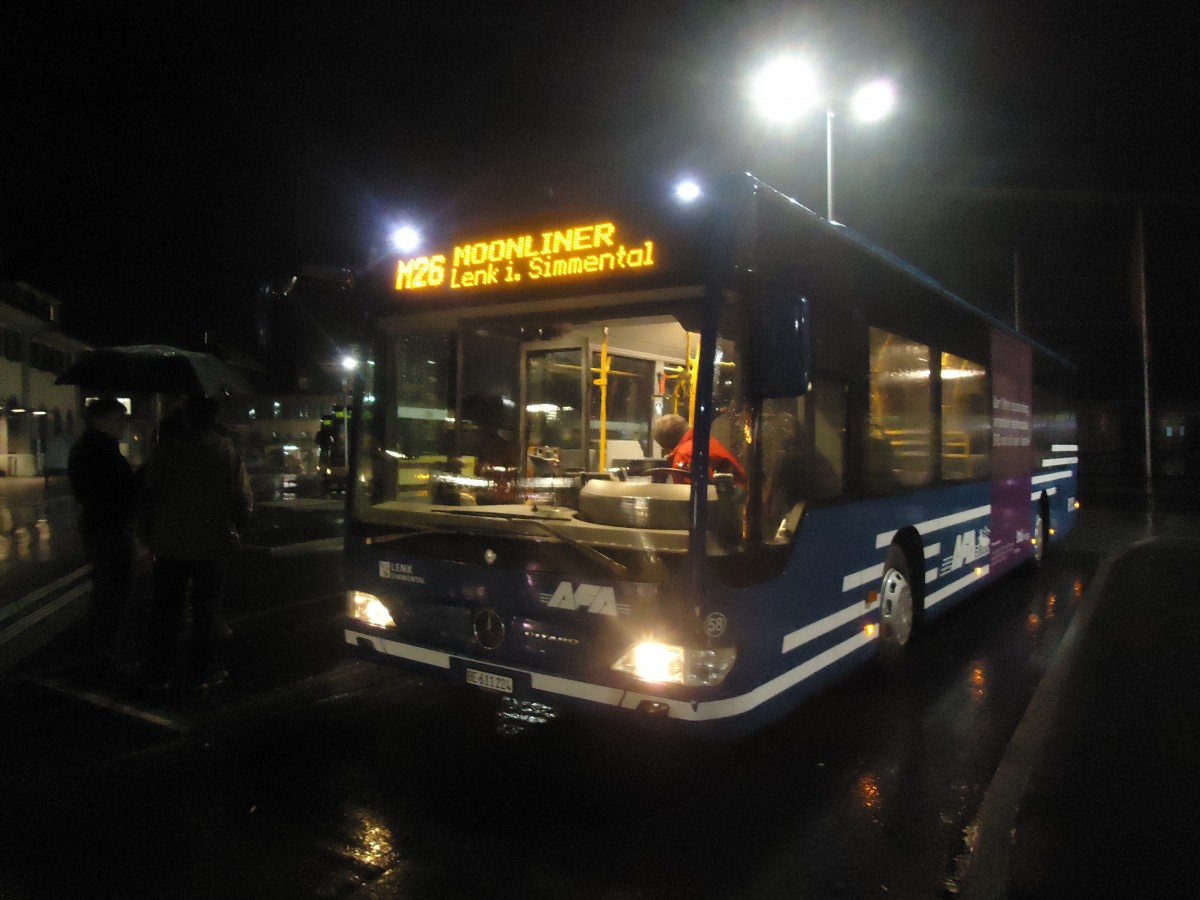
(195, 498)
(103, 482)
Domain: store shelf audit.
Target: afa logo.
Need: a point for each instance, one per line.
(595, 598)
(969, 546)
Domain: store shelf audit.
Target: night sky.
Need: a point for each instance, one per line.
(158, 166)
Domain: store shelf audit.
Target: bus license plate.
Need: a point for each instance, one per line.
(501, 683)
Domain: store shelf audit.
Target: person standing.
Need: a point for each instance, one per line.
(195, 500)
(104, 484)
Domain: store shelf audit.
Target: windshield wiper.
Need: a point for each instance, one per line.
(591, 553)
(390, 538)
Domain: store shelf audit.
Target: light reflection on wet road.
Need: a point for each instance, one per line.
(32, 529)
(374, 784)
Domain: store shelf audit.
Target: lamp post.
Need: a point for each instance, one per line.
(39, 443)
(786, 89)
(349, 368)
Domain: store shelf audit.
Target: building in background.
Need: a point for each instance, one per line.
(280, 432)
(38, 419)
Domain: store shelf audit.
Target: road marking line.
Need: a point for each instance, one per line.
(49, 609)
(15, 608)
(105, 701)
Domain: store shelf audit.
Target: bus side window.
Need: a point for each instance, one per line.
(804, 449)
(966, 419)
(786, 451)
(829, 438)
(901, 416)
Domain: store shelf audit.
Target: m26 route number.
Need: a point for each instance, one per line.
(423, 272)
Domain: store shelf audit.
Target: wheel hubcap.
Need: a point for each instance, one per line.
(896, 607)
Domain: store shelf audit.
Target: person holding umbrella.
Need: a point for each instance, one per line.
(105, 485)
(195, 500)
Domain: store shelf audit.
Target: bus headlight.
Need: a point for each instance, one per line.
(658, 663)
(369, 609)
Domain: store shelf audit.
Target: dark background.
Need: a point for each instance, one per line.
(161, 162)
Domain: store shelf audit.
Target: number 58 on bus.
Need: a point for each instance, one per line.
(686, 463)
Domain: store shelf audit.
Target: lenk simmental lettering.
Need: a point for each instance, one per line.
(575, 252)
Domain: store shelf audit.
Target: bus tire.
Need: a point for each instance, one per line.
(899, 603)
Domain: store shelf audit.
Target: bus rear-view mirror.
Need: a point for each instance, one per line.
(779, 362)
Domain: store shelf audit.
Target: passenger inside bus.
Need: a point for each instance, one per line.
(672, 433)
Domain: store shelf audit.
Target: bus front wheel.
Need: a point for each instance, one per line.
(897, 603)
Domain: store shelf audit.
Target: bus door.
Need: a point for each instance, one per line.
(556, 382)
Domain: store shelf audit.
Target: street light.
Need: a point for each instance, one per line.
(687, 191)
(786, 89)
(874, 100)
(405, 238)
(349, 367)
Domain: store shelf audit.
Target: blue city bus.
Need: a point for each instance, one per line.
(513, 526)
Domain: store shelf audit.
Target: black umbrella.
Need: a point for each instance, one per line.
(154, 368)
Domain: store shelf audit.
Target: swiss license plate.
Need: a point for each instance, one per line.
(501, 683)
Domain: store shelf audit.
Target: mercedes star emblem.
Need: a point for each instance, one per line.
(489, 629)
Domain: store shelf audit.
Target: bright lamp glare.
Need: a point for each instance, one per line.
(687, 191)
(657, 663)
(349, 363)
(405, 238)
(785, 89)
(369, 609)
(874, 101)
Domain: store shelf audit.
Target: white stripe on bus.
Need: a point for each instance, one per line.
(1050, 476)
(1064, 448)
(405, 651)
(931, 552)
(583, 690)
(734, 706)
(816, 629)
(1037, 495)
(861, 577)
(885, 538)
(958, 584)
(679, 709)
(1063, 461)
(870, 573)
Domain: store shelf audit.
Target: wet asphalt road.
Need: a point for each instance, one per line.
(315, 776)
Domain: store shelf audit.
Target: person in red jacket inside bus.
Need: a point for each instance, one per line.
(671, 432)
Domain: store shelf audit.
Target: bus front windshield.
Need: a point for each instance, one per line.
(519, 416)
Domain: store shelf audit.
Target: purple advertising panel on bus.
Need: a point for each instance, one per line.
(1012, 430)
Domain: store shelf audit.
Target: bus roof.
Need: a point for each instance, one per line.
(905, 269)
(621, 246)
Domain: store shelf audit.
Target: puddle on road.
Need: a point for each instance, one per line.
(24, 538)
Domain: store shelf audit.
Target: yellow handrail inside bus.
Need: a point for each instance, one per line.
(693, 365)
(602, 383)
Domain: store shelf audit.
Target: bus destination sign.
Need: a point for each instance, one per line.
(576, 252)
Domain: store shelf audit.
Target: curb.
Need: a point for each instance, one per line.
(32, 621)
(991, 835)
